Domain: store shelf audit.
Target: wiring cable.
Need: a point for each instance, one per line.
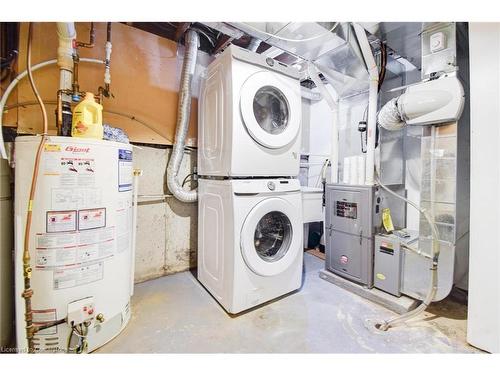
(381, 78)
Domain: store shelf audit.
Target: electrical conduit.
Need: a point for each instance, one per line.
(191, 41)
(372, 101)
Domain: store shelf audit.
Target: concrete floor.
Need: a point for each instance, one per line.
(175, 314)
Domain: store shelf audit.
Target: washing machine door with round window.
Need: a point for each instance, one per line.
(270, 240)
(270, 106)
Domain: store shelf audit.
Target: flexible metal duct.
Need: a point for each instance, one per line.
(389, 116)
(191, 41)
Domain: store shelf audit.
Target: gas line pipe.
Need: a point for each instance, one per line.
(28, 292)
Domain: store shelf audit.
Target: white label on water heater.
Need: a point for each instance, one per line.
(65, 199)
(72, 171)
(45, 316)
(123, 233)
(60, 251)
(73, 277)
(61, 221)
(124, 170)
(91, 219)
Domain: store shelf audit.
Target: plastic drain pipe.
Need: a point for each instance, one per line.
(191, 42)
(372, 101)
(435, 250)
(13, 85)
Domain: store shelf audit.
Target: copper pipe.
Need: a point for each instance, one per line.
(75, 85)
(28, 292)
(91, 42)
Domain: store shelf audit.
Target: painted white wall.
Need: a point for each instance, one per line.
(319, 142)
(483, 325)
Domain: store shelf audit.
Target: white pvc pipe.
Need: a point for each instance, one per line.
(333, 104)
(310, 95)
(137, 174)
(14, 83)
(372, 101)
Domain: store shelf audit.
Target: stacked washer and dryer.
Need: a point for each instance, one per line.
(250, 210)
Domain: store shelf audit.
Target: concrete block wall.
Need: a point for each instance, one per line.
(166, 228)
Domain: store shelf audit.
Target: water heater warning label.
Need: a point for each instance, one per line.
(41, 317)
(67, 250)
(92, 219)
(124, 170)
(73, 277)
(61, 221)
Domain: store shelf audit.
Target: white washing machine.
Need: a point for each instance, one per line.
(250, 240)
(249, 117)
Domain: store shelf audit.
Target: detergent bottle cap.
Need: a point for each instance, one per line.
(89, 96)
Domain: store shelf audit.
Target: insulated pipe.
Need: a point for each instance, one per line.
(254, 44)
(372, 101)
(333, 104)
(104, 91)
(67, 34)
(14, 83)
(191, 42)
(107, 74)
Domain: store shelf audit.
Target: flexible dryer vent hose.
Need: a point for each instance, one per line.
(191, 41)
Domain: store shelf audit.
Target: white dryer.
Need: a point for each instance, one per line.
(249, 117)
(249, 240)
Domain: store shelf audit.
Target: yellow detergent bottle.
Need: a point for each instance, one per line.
(87, 119)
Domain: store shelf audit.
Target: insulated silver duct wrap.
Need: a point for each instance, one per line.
(389, 116)
(254, 44)
(191, 41)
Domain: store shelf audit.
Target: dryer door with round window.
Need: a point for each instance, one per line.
(270, 237)
(270, 106)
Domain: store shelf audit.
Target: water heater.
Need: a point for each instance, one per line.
(80, 239)
(6, 247)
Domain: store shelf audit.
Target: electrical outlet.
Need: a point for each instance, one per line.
(81, 311)
(437, 42)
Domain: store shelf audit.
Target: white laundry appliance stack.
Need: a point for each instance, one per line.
(250, 211)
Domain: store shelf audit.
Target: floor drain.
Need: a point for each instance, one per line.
(374, 326)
